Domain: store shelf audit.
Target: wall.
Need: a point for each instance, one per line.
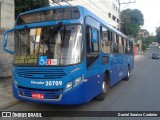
(6, 22)
(7, 14)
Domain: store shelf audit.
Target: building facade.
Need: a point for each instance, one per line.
(108, 10)
(6, 14)
(6, 22)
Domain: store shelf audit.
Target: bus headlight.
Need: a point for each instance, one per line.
(78, 81)
(15, 82)
(69, 86)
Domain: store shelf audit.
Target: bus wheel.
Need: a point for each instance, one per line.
(105, 89)
(128, 75)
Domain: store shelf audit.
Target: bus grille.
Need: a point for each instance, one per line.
(48, 94)
(41, 74)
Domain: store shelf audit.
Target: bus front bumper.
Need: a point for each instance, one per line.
(73, 96)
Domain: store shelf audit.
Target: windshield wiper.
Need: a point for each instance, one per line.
(53, 32)
(57, 27)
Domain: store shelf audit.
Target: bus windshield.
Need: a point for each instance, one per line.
(49, 46)
(48, 15)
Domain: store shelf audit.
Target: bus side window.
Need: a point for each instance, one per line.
(105, 43)
(115, 43)
(92, 42)
(128, 47)
(127, 51)
(131, 47)
(88, 39)
(124, 44)
(120, 45)
(109, 35)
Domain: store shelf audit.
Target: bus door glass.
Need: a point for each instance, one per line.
(105, 45)
(92, 45)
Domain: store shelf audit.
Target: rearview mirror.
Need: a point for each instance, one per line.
(9, 36)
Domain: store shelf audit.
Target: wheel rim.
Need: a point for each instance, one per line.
(128, 73)
(104, 88)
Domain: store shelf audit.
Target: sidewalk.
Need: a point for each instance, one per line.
(138, 56)
(6, 98)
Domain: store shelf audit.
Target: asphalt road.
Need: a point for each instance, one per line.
(140, 93)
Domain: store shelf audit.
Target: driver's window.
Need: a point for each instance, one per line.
(92, 40)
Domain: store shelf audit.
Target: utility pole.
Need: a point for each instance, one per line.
(123, 3)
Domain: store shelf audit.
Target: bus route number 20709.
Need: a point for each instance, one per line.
(53, 83)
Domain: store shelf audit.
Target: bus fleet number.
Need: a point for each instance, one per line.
(53, 83)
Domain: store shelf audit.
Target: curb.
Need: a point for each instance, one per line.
(9, 104)
(6, 98)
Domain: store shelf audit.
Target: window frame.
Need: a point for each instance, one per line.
(107, 39)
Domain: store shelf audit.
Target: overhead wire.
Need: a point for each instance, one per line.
(57, 3)
(97, 7)
(92, 7)
(103, 1)
(67, 2)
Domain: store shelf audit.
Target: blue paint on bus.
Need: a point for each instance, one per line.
(65, 80)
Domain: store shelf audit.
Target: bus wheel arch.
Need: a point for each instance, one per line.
(105, 86)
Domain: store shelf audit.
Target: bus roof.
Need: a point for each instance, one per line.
(83, 10)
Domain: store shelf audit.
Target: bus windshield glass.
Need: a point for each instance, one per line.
(49, 45)
(48, 15)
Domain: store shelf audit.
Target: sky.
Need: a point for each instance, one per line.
(150, 10)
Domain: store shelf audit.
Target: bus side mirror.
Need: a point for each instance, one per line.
(8, 36)
(5, 40)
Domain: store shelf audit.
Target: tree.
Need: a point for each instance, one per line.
(25, 5)
(149, 40)
(146, 33)
(144, 47)
(131, 20)
(158, 34)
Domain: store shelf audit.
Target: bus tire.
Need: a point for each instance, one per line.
(128, 75)
(105, 89)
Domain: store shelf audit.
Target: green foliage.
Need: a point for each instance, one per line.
(149, 40)
(137, 45)
(25, 5)
(131, 20)
(146, 33)
(144, 46)
(158, 34)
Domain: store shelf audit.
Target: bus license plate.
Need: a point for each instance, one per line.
(37, 96)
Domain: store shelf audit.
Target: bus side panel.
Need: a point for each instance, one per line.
(93, 86)
(132, 63)
(117, 68)
(94, 77)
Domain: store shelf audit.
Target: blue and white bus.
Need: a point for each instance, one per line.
(66, 55)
